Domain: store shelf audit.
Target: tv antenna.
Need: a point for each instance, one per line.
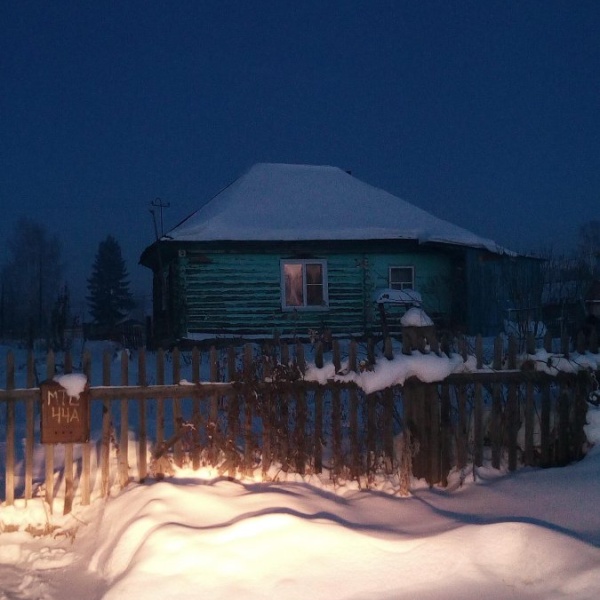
(158, 203)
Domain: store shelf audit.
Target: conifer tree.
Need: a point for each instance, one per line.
(109, 298)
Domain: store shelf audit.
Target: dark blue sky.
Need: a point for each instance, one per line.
(485, 113)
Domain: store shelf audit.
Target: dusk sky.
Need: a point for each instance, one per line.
(484, 113)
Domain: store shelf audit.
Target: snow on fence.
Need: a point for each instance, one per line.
(266, 410)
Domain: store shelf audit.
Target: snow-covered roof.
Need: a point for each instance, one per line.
(283, 202)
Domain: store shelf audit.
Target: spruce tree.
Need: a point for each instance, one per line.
(109, 297)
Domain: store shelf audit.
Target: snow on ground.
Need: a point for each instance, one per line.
(530, 534)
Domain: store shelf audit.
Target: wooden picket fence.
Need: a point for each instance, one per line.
(256, 411)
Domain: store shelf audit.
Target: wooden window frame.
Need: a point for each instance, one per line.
(403, 285)
(304, 306)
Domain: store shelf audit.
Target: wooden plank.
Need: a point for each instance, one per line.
(496, 428)
(86, 458)
(10, 432)
(355, 468)
(563, 456)
(69, 487)
(106, 430)
(283, 421)
(49, 448)
(446, 434)
(29, 428)
(267, 414)
(213, 418)
(388, 430)
(433, 410)
(512, 419)
(545, 425)
(176, 403)
(319, 413)
(160, 410)
(249, 407)
(528, 456)
(462, 434)
(160, 405)
(142, 431)
(69, 463)
(301, 416)
(196, 363)
(478, 430)
(124, 428)
(336, 418)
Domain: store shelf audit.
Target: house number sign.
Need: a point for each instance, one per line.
(64, 418)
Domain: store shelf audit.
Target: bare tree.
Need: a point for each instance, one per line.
(588, 247)
(31, 280)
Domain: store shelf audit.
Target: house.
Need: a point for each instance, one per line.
(292, 249)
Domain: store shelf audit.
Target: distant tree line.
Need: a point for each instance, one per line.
(35, 302)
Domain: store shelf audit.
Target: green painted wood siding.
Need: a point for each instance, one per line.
(240, 293)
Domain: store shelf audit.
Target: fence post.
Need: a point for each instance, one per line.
(86, 462)
(10, 431)
(301, 410)
(283, 416)
(143, 381)
(213, 408)
(352, 363)
(196, 361)
(176, 406)
(49, 448)
(124, 434)
(496, 429)
(319, 413)
(30, 427)
(106, 427)
(478, 408)
(512, 407)
(249, 405)
(336, 417)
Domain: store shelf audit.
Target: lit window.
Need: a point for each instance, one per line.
(402, 278)
(303, 284)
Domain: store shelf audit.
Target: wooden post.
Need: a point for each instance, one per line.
(496, 429)
(10, 431)
(319, 413)
(283, 420)
(176, 404)
(545, 425)
(213, 416)
(267, 414)
(336, 416)
(196, 362)
(462, 433)
(86, 459)
(478, 408)
(301, 410)
(529, 423)
(512, 407)
(143, 438)
(564, 402)
(29, 428)
(49, 448)
(160, 410)
(124, 434)
(446, 429)
(249, 404)
(355, 469)
(106, 427)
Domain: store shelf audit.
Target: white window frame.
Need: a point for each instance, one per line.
(304, 262)
(403, 286)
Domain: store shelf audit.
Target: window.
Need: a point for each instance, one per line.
(304, 284)
(402, 278)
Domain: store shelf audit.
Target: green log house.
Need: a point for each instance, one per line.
(290, 249)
